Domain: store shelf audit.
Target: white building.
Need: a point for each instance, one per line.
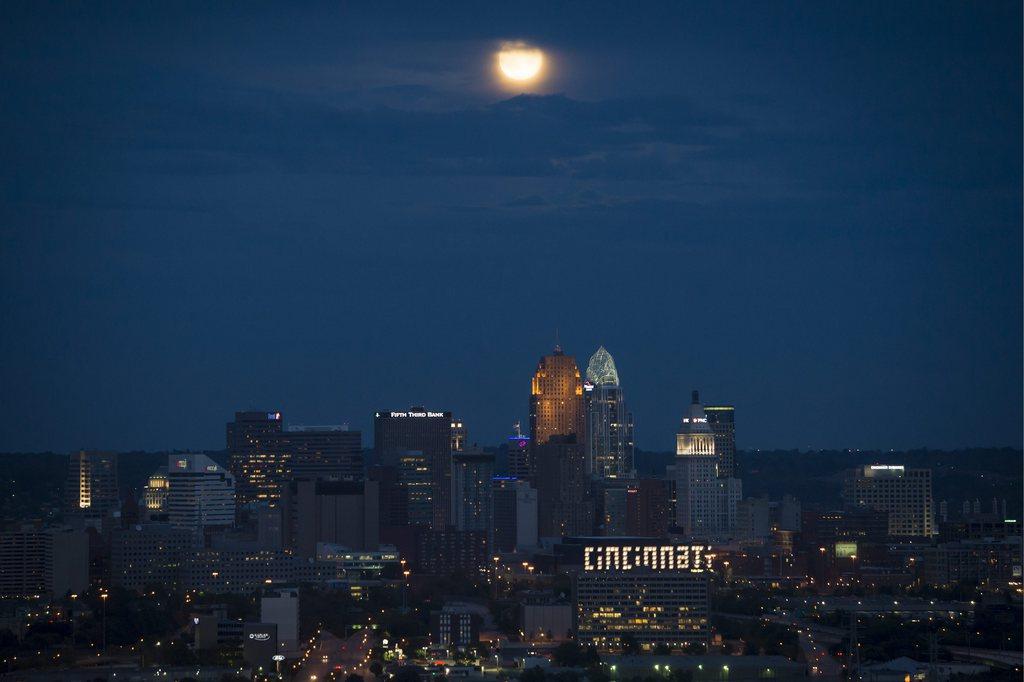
(705, 503)
(200, 493)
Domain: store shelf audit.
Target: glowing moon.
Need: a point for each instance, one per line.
(520, 62)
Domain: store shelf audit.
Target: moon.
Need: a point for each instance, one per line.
(520, 62)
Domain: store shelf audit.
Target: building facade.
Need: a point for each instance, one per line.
(609, 438)
(905, 494)
(259, 469)
(91, 491)
(655, 593)
(473, 492)
(200, 493)
(564, 497)
(344, 513)
(428, 433)
(722, 420)
(556, 399)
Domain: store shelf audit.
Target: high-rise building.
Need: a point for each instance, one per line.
(705, 503)
(609, 436)
(416, 480)
(906, 494)
(145, 555)
(697, 495)
(647, 508)
(155, 494)
(429, 433)
(338, 512)
(556, 399)
(520, 456)
(200, 493)
(36, 562)
(722, 420)
(695, 436)
(258, 467)
(473, 491)
(515, 514)
(332, 452)
(91, 488)
(564, 500)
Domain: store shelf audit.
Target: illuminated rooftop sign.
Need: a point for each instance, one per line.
(414, 415)
(687, 558)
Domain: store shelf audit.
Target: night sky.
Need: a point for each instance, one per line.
(812, 211)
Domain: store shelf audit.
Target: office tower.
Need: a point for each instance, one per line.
(43, 562)
(697, 496)
(906, 494)
(155, 495)
(556, 399)
(426, 432)
(722, 420)
(695, 436)
(416, 480)
(258, 469)
(565, 505)
(614, 519)
(647, 508)
(705, 504)
(609, 437)
(91, 488)
(320, 451)
(520, 461)
(280, 607)
(515, 514)
(458, 435)
(200, 493)
(656, 593)
(473, 492)
(338, 512)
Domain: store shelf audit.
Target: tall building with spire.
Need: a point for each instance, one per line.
(609, 438)
(556, 399)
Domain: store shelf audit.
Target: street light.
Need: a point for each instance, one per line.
(103, 598)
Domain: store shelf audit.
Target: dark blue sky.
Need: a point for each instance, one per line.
(810, 210)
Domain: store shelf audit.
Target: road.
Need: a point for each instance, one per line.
(341, 656)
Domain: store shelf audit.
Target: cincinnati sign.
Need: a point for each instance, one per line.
(692, 558)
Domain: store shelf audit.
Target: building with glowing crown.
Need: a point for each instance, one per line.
(609, 438)
(556, 399)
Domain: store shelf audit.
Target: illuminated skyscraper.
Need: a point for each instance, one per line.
(91, 488)
(259, 469)
(458, 435)
(609, 438)
(556, 399)
(705, 502)
(722, 420)
(906, 494)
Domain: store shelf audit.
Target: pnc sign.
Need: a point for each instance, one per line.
(685, 558)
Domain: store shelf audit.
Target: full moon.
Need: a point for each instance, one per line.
(520, 62)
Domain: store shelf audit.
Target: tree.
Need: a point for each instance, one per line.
(376, 668)
(407, 674)
(661, 649)
(534, 674)
(354, 678)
